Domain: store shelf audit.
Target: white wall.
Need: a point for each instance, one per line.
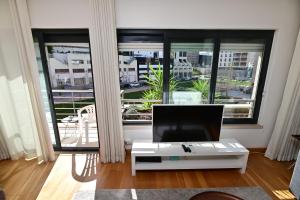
(280, 15)
(59, 13)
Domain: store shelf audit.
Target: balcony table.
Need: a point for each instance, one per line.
(69, 120)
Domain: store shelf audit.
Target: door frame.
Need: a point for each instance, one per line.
(62, 36)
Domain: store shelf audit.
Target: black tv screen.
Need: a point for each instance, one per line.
(186, 123)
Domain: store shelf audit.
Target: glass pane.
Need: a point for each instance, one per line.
(44, 92)
(190, 74)
(141, 77)
(238, 75)
(70, 72)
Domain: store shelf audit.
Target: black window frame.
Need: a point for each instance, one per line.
(168, 36)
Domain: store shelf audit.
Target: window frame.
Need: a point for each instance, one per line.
(168, 36)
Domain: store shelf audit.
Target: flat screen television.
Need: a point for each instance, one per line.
(186, 123)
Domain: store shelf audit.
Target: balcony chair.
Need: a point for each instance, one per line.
(86, 115)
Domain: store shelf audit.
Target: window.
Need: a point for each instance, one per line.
(91, 81)
(61, 71)
(237, 85)
(79, 81)
(77, 62)
(187, 67)
(131, 69)
(78, 70)
(189, 77)
(63, 82)
(140, 66)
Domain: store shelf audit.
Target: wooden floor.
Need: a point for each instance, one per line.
(75, 172)
(23, 179)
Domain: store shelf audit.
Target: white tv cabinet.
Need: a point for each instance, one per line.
(226, 153)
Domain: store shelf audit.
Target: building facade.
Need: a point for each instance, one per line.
(70, 67)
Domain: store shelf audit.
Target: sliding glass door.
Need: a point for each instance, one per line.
(67, 67)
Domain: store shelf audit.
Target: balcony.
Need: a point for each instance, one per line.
(75, 130)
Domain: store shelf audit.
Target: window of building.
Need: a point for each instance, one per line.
(186, 67)
(91, 81)
(61, 71)
(131, 69)
(79, 81)
(63, 82)
(77, 62)
(78, 70)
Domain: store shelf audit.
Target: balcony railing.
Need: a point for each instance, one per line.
(67, 102)
(134, 109)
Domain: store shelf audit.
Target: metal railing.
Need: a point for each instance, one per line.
(67, 102)
(134, 110)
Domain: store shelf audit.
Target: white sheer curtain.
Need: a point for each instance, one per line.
(23, 125)
(4, 153)
(106, 80)
(282, 146)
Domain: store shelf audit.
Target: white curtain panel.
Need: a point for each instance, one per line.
(4, 153)
(103, 41)
(26, 130)
(282, 146)
(16, 127)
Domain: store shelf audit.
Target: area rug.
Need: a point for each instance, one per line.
(247, 193)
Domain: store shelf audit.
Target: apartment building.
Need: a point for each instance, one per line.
(70, 67)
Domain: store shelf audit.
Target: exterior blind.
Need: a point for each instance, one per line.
(192, 46)
(140, 46)
(241, 47)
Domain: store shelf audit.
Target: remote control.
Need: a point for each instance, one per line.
(185, 148)
(189, 149)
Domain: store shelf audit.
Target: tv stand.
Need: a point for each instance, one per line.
(226, 153)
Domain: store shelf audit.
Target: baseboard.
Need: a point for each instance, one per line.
(259, 150)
